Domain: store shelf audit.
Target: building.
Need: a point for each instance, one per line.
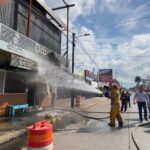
(146, 83)
(25, 30)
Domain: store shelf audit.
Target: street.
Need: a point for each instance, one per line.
(85, 134)
(65, 67)
(93, 134)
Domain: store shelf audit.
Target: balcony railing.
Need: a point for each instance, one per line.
(14, 42)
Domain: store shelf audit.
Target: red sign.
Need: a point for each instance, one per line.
(105, 75)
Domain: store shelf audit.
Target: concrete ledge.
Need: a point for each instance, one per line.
(9, 135)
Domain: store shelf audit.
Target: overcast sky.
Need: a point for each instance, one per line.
(116, 40)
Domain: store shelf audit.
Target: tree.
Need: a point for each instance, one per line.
(138, 80)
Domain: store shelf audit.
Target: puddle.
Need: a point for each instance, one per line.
(97, 126)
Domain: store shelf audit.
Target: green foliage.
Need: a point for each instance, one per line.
(100, 95)
(138, 80)
(49, 118)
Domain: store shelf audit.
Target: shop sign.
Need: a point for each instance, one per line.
(90, 76)
(21, 62)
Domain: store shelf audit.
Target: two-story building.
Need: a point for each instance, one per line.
(27, 30)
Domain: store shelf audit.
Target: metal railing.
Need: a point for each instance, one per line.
(14, 42)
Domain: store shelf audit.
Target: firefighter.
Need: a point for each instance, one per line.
(115, 106)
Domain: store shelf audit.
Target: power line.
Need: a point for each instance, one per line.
(103, 43)
(96, 41)
(115, 25)
(102, 54)
(122, 23)
(84, 50)
(99, 53)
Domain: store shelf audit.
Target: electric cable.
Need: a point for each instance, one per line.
(128, 55)
(123, 22)
(97, 41)
(84, 50)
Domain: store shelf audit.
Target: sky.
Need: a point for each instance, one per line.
(119, 36)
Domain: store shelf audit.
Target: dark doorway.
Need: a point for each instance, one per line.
(31, 94)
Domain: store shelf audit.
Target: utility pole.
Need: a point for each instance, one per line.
(67, 29)
(67, 6)
(73, 48)
(73, 55)
(115, 74)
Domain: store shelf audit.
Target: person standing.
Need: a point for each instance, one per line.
(148, 104)
(124, 101)
(107, 92)
(128, 98)
(115, 106)
(141, 98)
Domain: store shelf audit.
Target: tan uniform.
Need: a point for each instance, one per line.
(115, 107)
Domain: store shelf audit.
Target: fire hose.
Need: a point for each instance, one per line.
(79, 112)
(134, 137)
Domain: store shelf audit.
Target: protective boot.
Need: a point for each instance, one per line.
(120, 124)
(111, 124)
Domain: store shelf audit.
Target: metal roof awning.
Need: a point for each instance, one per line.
(52, 14)
(58, 59)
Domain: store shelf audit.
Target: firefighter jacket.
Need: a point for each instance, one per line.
(115, 96)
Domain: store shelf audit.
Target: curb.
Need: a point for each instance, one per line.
(11, 135)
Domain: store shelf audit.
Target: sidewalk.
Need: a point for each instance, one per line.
(13, 128)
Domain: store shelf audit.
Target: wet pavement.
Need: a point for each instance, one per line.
(74, 132)
(142, 136)
(97, 135)
(12, 127)
(15, 144)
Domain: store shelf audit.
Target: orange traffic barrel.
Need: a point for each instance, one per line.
(40, 136)
(2, 2)
(78, 101)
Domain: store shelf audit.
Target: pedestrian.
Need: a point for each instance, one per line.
(149, 109)
(128, 98)
(142, 99)
(115, 106)
(107, 92)
(124, 101)
(148, 104)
